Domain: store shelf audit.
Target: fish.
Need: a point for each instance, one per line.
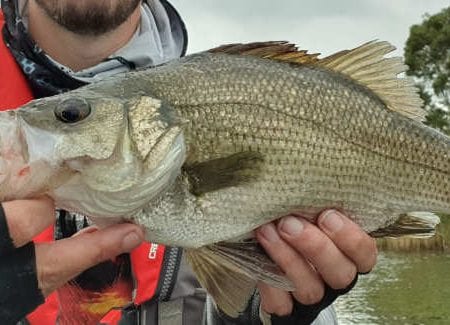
(204, 149)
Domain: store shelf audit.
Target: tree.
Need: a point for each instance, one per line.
(427, 53)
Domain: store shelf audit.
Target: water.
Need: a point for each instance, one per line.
(404, 288)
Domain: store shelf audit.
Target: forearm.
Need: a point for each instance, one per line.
(19, 291)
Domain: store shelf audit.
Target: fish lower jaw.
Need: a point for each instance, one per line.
(19, 181)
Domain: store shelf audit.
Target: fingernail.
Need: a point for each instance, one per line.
(269, 232)
(130, 241)
(291, 226)
(88, 230)
(332, 221)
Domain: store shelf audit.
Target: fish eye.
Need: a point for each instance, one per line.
(72, 110)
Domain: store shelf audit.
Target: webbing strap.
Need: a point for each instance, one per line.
(170, 312)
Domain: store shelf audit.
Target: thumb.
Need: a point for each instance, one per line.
(64, 259)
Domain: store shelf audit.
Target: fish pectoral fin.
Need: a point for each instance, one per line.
(215, 174)
(413, 224)
(230, 271)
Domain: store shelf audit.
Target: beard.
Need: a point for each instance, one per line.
(89, 17)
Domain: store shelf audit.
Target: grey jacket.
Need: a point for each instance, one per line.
(186, 303)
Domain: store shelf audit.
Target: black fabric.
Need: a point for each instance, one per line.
(19, 290)
(6, 242)
(306, 314)
(46, 79)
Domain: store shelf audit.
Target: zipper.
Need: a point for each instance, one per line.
(169, 272)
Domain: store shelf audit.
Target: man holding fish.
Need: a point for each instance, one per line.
(52, 46)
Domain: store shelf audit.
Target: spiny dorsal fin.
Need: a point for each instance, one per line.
(367, 65)
(280, 51)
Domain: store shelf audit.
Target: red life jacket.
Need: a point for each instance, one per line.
(146, 260)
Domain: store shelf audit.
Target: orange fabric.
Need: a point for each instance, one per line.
(14, 89)
(146, 263)
(47, 313)
(146, 260)
(14, 92)
(112, 318)
(78, 306)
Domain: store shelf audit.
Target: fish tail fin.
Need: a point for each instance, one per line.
(230, 272)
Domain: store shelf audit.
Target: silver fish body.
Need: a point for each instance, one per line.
(203, 150)
(209, 147)
(325, 142)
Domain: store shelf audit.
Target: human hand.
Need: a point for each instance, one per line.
(317, 259)
(29, 272)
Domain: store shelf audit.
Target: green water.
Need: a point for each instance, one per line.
(404, 288)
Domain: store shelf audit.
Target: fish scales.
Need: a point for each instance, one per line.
(203, 150)
(326, 142)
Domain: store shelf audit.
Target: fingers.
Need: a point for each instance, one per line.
(336, 269)
(63, 260)
(350, 238)
(275, 301)
(311, 256)
(294, 265)
(28, 218)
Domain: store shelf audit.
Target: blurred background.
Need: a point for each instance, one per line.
(411, 282)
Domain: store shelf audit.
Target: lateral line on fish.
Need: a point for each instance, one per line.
(359, 145)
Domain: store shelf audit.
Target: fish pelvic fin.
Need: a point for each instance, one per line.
(367, 65)
(230, 272)
(413, 224)
(215, 174)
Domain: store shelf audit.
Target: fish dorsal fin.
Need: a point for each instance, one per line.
(277, 50)
(367, 65)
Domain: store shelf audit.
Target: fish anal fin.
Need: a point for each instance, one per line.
(414, 224)
(215, 174)
(229, 272)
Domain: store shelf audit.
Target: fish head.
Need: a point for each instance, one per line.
(108, 155)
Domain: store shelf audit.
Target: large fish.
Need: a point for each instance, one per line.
(204, 149)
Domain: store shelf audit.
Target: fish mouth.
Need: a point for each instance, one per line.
(38, 144)
(27, 161)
